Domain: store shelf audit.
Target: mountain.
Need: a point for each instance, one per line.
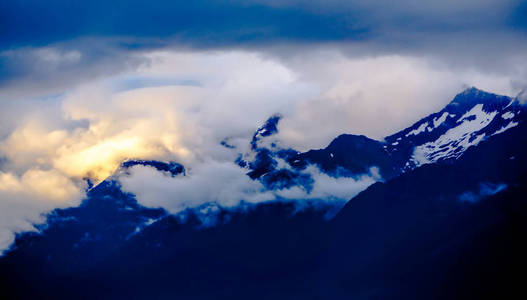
(446, 221)
(441, 231)
(471, 117)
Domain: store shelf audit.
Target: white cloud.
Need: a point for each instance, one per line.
(227, 185)
(25, 199)
(373, 95)
(213, 181)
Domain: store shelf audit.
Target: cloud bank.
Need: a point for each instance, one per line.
(227, 185)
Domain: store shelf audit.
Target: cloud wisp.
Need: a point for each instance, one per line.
(227, 185)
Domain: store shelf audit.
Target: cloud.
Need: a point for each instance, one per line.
(227, 185)
(25, 199)
(91, 129)
(91, 39)
(222, 182)
(94, 127)
(328, 188)
(375, 96)
(29, 72)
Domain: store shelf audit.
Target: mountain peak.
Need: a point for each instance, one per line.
(269, 128)
(472, 90)
(473, 95)
(471, 117)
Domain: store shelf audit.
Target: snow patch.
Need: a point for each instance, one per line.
(419, 129)
(456, 140)
(505, 128)
(508, 115)
(474, 111)
(440, 120)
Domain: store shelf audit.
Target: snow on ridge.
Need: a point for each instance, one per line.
(507, 115)
(457, 139)
(440, 120)
(417, 131)
(474, 111)
(425, 126)
(505, 128)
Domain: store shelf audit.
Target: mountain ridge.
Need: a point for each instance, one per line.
(449, 229)
(472, 116)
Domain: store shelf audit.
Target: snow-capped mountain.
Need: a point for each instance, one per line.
(473, 116)
(470, 118)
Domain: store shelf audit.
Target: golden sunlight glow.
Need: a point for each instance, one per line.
(138, 124)
(101, 160)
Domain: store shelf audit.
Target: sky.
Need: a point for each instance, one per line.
(85, 85)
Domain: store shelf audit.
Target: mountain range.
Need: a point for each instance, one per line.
(445, 219)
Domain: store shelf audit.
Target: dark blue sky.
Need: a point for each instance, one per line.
(222, 22)
(202, 22)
